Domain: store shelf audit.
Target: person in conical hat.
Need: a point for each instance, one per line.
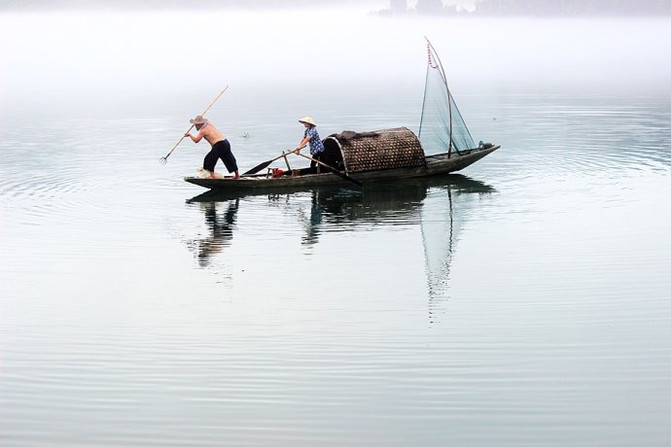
(311, 137)
(221, 148)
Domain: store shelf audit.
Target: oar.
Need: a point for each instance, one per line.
(264, 165)
(333, 170)
(164, 160)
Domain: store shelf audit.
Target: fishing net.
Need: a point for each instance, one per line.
(441, 119)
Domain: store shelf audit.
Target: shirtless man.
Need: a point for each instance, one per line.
(221, 148)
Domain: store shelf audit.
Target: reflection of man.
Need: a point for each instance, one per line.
(222, 232)
(313, 226)
(325, 203)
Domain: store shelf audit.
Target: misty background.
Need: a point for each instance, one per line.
(65, 58)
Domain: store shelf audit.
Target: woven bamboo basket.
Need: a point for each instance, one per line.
(381, 149)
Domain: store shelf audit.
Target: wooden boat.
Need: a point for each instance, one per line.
(444, 145)
(434, 165)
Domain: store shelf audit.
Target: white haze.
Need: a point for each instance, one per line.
(115, 57)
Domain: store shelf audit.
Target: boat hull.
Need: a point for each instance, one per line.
(435, 165)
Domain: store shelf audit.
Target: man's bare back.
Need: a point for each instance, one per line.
(210, 133)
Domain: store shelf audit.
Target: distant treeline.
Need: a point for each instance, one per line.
(433, 7)
(541, 7)
(33, 5)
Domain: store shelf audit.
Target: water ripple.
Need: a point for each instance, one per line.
(586, 135)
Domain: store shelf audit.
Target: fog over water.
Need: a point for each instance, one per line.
(89, 59)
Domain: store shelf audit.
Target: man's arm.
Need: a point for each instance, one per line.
(199, 136)
(303, 143)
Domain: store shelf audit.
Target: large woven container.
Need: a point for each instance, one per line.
(381, 149)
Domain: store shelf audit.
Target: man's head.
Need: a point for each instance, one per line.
(198, 121)
(307, 121)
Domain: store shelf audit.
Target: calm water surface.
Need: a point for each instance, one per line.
(524, 302)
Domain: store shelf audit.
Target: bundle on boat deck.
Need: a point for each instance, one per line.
(370, 151)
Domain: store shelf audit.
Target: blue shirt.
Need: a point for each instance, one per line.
(316, 145)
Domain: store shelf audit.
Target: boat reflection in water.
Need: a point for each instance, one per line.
(439, 206)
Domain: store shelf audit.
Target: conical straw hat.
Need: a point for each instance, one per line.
(307, 120)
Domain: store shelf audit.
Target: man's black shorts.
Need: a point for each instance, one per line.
(220, 150)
